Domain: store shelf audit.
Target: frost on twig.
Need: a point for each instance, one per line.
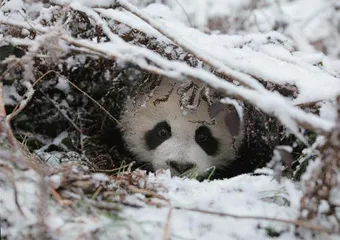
(130, 51)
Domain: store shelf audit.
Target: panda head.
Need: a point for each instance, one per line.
(169, 125)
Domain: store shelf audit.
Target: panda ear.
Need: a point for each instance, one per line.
(232, 121)
(214, 109)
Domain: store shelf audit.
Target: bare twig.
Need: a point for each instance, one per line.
(95, 194)
(146, 192)
(298, 223)
(62, 113)
(105, 205)
(27, 97)
(292, 114)
(167, 223)
(185, 12)
(59, 199)
(118, 169)
(9, 173)
(219, 67)
(95, 102)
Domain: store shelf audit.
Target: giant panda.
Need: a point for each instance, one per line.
(181, 126)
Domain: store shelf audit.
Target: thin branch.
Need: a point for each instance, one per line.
(185, 13)
(146, 192)
(298, 223)
(62, 113)
(219, 67)
(59, 199)
(105, 205)
(167, 223)
(95, 102)
(15, 189)
(222, 69)
(27, 97)
(135, 54)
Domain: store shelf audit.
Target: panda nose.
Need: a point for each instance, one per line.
(181, 167)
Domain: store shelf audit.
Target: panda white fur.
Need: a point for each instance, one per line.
(169, 124)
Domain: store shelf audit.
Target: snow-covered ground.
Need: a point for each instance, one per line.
(181, 208)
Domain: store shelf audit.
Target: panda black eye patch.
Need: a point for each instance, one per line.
(206, 140)
(157, 135)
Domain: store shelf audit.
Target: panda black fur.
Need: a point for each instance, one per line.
(169, 125)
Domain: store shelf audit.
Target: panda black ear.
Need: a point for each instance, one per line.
(233, 122)
(214, 109)
(232, 119)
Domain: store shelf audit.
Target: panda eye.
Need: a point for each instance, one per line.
(202, 137)
(157, 135)
(206, 140)
(163, 133)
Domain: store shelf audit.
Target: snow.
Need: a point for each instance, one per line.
(252, 61)
(226, 196)
(272, 62)
(88, 3)
(238, 107)
(54, 181)
(11, 96)
(130, 20)
(12, 5)
(244, 195)
(286, 59)
(63, 85)
(100, 177)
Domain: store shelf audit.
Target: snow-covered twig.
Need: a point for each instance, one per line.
(222, 69)
(278, 106)
(205, 57)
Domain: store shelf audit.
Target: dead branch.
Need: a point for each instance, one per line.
(9, 172)
(167, 224)
(220, 68)
(301, 118)
(27, 97)
(146, 192)
(59, 199)
(246, 80)
(62, 113)
(105, 205)
(298, 223)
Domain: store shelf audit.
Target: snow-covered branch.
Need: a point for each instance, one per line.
(252, 91)
(72, 64)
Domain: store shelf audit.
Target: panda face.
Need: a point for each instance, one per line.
(161, 132)
(170, 137)
(179, 150)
